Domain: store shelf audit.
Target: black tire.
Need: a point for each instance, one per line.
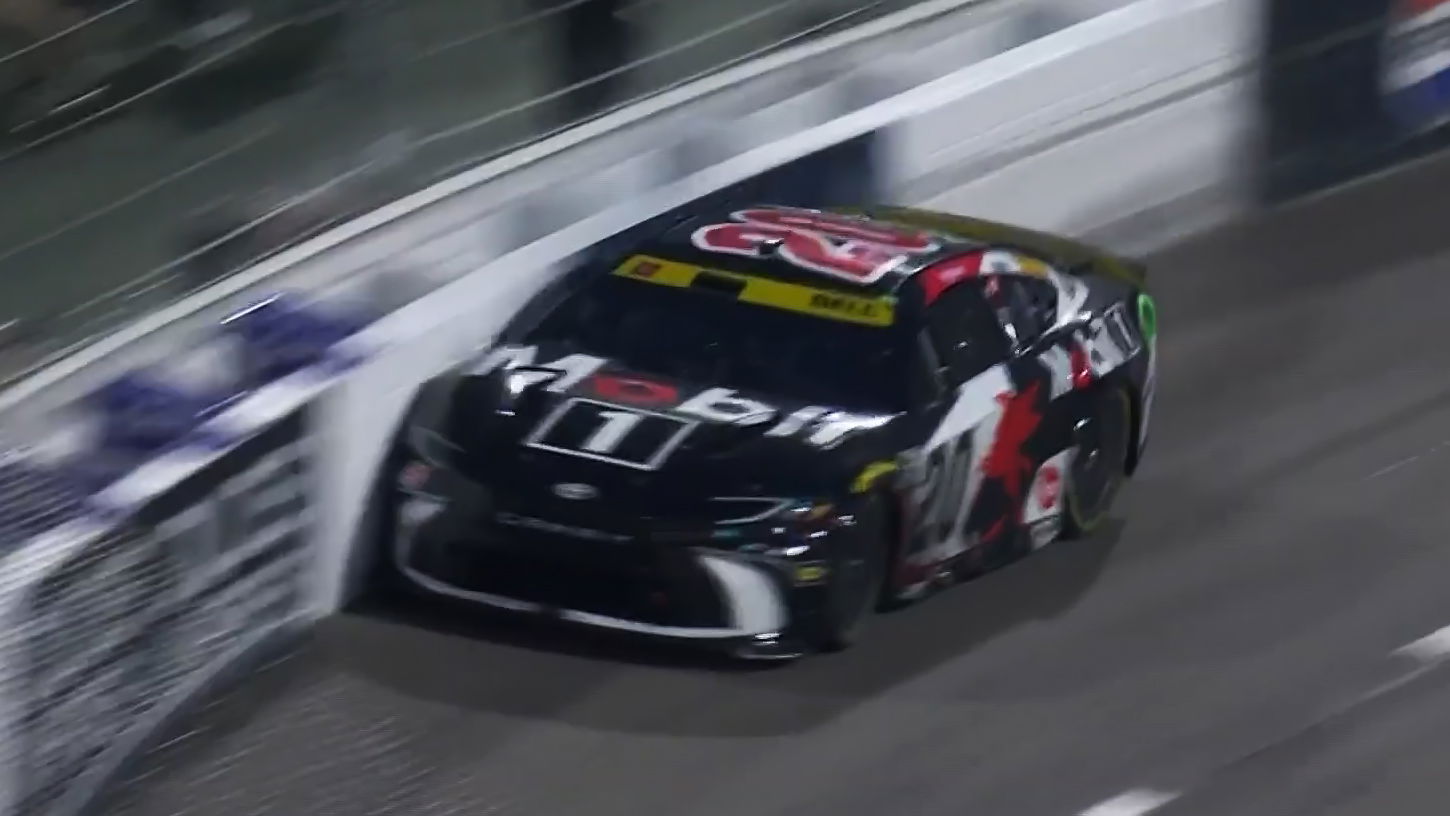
(858, 574)
(891, 597)
(1104, 439)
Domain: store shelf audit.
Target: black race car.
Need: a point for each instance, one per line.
(759, 427)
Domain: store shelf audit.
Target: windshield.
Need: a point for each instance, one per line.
(709, 338)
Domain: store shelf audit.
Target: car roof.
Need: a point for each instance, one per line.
(676, 244)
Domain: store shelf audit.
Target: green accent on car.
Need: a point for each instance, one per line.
(1147, 316)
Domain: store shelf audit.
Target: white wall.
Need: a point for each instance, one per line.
(1123, 113)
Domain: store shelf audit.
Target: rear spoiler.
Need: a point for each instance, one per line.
(1068, 254)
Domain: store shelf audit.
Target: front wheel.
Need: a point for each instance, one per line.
(857, 575)
(1103, 438)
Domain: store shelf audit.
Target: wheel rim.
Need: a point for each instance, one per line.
(1095, 468)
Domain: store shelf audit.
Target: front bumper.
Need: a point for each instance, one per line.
(633, 583)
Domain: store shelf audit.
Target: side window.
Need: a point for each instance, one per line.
(965, 333)
(1026, 306)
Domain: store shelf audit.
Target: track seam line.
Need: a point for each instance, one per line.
(1134, 802)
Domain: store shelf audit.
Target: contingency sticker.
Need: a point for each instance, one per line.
(869, 311)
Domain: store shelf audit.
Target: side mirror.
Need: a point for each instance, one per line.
(1036, 345)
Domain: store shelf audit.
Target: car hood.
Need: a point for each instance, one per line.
(526, 424)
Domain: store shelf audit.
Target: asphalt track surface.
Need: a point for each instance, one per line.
(1228, 648)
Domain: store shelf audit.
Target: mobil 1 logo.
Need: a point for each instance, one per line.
(627, 436)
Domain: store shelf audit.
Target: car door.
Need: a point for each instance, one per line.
(964, 336)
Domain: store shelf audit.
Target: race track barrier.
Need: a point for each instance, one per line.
(187, 512)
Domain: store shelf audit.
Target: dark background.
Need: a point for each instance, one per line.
(345, 103)
(1328, 115)
(365, 99)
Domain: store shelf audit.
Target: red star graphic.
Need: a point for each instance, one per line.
(1006, 460)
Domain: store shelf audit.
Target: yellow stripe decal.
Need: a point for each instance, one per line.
(869, 311)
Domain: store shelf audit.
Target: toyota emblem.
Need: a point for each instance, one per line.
(575, 491)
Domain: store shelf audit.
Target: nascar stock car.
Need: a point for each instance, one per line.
(758, 428)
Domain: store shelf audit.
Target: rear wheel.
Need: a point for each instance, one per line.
(1103, 438)
(857, 574)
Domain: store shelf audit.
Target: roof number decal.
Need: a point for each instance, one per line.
(844, 247)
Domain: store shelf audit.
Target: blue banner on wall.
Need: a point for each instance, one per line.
(121, 628)
(1352, 87)
(1416, 72)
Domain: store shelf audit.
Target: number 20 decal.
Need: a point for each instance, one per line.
(629, 437)
(857, 250)
(945, 499)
